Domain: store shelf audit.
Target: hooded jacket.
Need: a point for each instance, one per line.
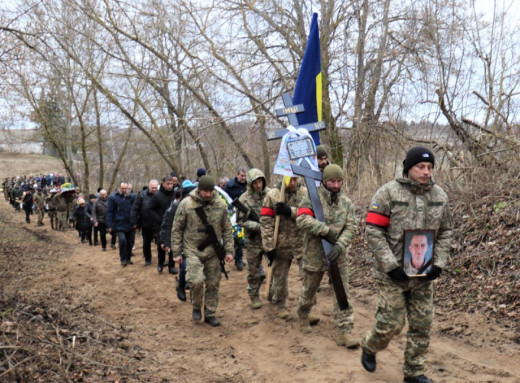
(253, 201)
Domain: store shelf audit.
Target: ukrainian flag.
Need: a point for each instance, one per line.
(308, 85)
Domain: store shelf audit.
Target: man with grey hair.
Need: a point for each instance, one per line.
(235, 188)
(142, 219)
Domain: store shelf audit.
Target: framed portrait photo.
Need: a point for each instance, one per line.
(418, 252)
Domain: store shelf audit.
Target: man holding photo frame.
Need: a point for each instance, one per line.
(409, 212)
(418, 252)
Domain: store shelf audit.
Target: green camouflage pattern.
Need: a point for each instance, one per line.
(411, 206)
(60, 203)
(393, 304)
(39, 202)
(289, 244)
(186, 237)
(340, 216)
(343, 319)
(253, 201)
(339, 213)
(202, 267)
(204, 279)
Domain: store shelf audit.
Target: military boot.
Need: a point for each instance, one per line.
(282, 313)
(303, 321)
(196, 315)
(417, 379)
(313, 320)
(344, 339)
(212, 321)
(255, 303)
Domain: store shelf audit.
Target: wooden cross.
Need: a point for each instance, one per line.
(290, 110)
(310, 175)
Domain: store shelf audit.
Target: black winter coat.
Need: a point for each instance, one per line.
(161, 201)
(165, 234)
(141, 212)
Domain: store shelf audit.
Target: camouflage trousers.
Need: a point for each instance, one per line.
(62, 220)
(343, 319)
(40, 215)
(279, 286)
(204, 279)
(254, 257)
(53, 219)
(393, 304)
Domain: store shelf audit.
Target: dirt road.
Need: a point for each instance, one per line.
(253, 345)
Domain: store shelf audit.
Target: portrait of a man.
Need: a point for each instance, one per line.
(418, 252)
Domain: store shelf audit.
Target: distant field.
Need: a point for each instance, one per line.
(18, 164)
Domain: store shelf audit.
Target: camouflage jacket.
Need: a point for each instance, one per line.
(289, 243)
(185, 234)
(60, 202)
(39, 200)
(253, 201)
(406, 205)
(340, 216)
(51, 203)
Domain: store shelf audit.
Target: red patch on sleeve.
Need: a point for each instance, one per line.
(267, 211)
(305, 210)
(375, 218)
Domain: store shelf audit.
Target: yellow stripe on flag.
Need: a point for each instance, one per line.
(318, 96)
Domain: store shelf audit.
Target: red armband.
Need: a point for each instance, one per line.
(305, 210)
(267, 211)
(378, 219)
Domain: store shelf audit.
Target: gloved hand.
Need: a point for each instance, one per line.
(334, 253)
(398, 274)
(331, 236)
(282, 209)
(434, 273)
(271, 255)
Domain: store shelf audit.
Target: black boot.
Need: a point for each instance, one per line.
(196, 315)
(368, 361)
(181, 294)
(417, 379)
(212, 321)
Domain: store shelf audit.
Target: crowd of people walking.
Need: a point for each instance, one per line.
(195, 224)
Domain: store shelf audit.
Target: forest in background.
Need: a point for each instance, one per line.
(135, 90)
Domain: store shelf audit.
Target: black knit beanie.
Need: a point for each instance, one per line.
(417, 155)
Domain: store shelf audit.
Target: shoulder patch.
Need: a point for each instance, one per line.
(374, 206)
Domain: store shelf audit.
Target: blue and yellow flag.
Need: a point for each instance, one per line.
(308, 85)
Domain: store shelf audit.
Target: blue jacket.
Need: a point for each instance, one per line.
(235, 189)
(119, 210)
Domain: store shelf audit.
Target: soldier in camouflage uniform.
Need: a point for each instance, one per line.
(339, 230)
(60, 202)
(289, 243)
(411, 202)
(203, 267)
(252, 200)
(39, 202)
(51, 203)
